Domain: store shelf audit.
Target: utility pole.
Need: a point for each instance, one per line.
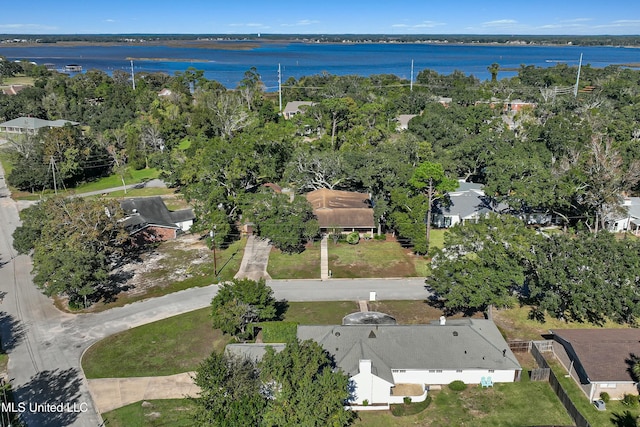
(575, 90)
(52, 164)
(411, 85)
(133, 77)
(212, 234)
(279, 89)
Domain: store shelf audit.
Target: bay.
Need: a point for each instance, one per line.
(296, 60)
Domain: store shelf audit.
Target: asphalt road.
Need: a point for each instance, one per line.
(45, 345)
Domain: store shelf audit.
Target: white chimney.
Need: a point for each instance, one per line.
(365, 366)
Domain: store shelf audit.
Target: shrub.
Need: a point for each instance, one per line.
(353, 238)
(277, 332)
(630, 400)
(380, 237)
(605, 397)
(457, 385)
(406, 400)
(412, 409)
(365, 402)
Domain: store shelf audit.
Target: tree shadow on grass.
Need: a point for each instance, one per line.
(44, 394)
(12, 331)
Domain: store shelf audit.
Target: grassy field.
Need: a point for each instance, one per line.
(517, 325)
(596, 418)
(171, 346)
(154, 413)
(514, 404)
(305, 265)
(371, 258)
(19, 80)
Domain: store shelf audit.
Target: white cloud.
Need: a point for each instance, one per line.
(501, 23)
(419, 26)
(27, 27)
(110, 20)
(250, 25)
(301, 23)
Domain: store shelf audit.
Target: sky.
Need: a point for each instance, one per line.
(513, 17)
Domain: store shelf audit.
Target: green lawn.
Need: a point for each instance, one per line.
(171, 346)
(371, 258)
(504, 405)
(515, 322)
(305, 265)
(18, 80)
(152, 413)
(513, 404)
(596, 418)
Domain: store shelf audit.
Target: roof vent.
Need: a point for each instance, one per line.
(337, 334)
(455, 333)
(372, 334)
(443, 320)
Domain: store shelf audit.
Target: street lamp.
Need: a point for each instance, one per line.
(212, 234)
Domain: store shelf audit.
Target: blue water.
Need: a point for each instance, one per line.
(300, 59)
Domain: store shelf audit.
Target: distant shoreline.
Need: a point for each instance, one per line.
(249, 43)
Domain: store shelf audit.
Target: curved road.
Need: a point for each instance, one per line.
(45, 345)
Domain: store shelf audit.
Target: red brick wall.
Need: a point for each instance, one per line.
(153, 234)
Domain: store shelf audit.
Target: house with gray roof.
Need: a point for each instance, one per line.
(31, 125)
(295, 107)
(151, 220)
(467, 203)
(379, 359)
(629, 220)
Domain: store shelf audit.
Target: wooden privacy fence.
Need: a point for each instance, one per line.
(577, 417)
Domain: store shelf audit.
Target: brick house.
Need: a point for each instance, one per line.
(148, 219)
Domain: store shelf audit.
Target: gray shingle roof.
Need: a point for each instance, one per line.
(465, 344)
(151, 211)
(33, 123)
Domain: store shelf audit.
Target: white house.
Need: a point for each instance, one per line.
(383, 361)
(630, 221)
(31, 125)
(467, 203)
(379, 358)
(295, 107)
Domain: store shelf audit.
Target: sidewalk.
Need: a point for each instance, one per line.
(113, 393)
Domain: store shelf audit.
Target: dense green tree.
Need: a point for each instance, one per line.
(288, 224)
(306, 389)
(241, 302)
(74, 242)
(484, 263)
(589, 277)
(230, 392)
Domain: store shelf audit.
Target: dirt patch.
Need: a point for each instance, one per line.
(171, 261)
